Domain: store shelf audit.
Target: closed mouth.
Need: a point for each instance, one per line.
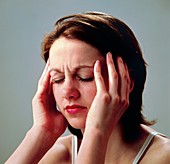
(73, 109)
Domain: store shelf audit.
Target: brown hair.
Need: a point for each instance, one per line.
(108, 34)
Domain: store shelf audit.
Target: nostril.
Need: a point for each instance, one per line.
(71, 97)
(71, 93)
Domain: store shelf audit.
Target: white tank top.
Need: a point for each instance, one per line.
(137, 158)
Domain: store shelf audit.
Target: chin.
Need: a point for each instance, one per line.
(77, 123)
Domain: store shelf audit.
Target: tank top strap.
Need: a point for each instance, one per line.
(144, 147)
(74, 148)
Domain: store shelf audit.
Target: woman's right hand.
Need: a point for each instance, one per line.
(45, 114)
(49, 125)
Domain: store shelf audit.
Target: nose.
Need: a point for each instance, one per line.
(70, 91)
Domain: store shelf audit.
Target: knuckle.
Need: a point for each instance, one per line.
(127, 104)
(116, 99)
(124, 75)
(126, 78)
(115, 75)
(124, 102)
(99, 78)
(106, 97)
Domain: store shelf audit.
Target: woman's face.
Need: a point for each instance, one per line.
(74, 88)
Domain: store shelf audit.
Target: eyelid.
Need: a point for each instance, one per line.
(84, 76)
(57, 80)
(54, 72)
(87, 79)
(57, 76)
(57, 73)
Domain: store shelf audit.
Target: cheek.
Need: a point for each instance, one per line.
(89, 92)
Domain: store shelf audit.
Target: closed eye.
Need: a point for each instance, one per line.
(82, 79)
(58, 81)
(88, 79)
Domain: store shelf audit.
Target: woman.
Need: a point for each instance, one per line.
(94, 76)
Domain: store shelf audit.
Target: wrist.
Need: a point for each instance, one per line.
(97, 135)
(94, 145)
(44, 134)
(98, 131)
(36, 143)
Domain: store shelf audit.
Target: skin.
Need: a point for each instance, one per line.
(66, 72)
(73, 77)
(104, 98)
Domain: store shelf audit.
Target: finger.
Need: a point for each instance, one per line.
(100, 85)
(44, 81)
(50, 88)
(51, 95)
(124, 80)
(113, 76)
(128, 82)
(44, 72)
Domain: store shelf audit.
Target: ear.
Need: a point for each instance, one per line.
(57, 108)
(132, 83)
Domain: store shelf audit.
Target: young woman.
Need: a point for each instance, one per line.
(93, 84)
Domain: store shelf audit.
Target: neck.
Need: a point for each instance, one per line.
(118, 150)
(116, 139)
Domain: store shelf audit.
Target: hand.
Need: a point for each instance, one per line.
(109, 103)
(45, 113)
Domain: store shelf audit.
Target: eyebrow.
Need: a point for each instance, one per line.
(75, 69)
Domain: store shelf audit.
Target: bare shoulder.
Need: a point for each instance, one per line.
(159, 151)
(60, 152)
(161, 147)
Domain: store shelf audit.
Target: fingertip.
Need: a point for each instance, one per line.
(109, 58)
(100, 85)
(97, 66)
(119, 59)
(109, 54)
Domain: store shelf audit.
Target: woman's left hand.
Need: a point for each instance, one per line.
(109, 103)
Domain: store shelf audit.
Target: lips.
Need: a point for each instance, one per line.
(74, 109)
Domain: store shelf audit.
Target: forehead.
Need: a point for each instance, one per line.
(72, 52)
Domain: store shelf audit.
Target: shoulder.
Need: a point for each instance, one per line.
(60, 152)
(159, 151)
(161, 147)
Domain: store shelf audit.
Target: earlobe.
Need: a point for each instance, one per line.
(57, 108)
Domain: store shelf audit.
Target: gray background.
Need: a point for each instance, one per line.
(23, 24)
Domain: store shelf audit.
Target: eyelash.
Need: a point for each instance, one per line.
(58, 81)
(89, 79)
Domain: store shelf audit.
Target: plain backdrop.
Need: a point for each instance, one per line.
(23, 24)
